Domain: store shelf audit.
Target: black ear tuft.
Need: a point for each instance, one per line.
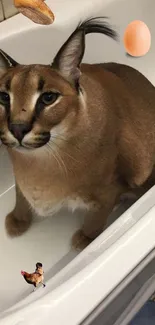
(6, 61)
(69, 57)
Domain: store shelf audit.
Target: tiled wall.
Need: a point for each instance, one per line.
(7, 9)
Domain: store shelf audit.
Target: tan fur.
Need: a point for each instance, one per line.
(102, 143)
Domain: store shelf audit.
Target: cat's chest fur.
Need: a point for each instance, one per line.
(44, 189)
(46, 206)
(47, 199)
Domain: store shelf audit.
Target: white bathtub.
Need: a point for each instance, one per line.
(80, 289)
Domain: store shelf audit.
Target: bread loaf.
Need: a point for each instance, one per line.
(36, 10)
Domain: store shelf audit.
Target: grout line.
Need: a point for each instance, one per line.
(3, 9)
(7, 191)
(14, 13)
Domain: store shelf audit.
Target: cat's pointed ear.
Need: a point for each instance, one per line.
(69, 57)
(6, 61)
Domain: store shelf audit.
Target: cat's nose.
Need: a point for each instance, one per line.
(19, 130)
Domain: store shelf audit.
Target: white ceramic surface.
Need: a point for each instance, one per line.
(75, 289)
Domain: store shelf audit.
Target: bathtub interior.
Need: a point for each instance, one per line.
(48, 240)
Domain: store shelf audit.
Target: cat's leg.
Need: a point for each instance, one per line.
(96, 218)
(19, 220)
(93, 226)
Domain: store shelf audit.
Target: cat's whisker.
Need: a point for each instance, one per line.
(49, 149)
(58, 159)
(68, 142)
(65, 168)
(65, 153)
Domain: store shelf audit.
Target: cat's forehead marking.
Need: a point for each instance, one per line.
(34, 78)
(25, 79)
(8, 84)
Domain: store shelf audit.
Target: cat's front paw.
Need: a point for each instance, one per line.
(15, 227)
(80, 241)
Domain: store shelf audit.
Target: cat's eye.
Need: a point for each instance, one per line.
(49, 98)
(4, 98)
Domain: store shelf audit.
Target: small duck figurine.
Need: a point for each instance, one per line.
(36, 10)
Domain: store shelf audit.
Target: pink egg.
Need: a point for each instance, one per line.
(137, 38)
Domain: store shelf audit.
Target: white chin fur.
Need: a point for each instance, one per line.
(12, 140)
